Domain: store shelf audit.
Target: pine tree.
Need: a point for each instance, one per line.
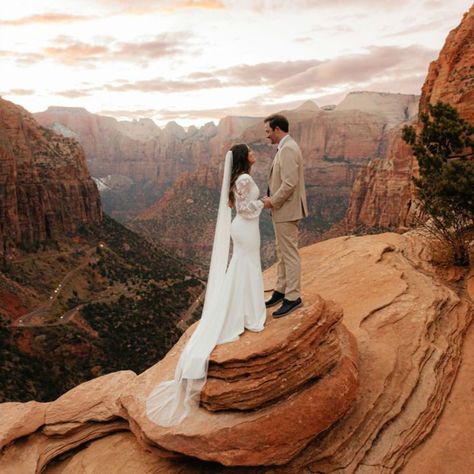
(445, 186)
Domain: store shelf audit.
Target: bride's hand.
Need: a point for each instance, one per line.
(267, 203)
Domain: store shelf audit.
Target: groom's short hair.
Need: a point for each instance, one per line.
(278, 120)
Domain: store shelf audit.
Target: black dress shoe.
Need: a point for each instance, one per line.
(287, 307)
(275, 299)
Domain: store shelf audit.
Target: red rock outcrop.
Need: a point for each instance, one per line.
(409, 414)
(260, 423)
(46, 189)
(451, 77)
(383, 191)
(266, 371)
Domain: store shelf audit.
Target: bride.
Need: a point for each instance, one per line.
(234, 296)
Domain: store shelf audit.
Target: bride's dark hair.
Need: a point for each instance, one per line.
(240, 165)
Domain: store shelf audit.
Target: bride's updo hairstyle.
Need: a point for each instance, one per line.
(240, 165)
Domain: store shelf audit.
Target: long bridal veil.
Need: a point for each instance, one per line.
(171, 401)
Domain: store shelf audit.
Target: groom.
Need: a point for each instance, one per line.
(287, 200)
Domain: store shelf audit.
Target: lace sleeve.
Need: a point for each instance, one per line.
(244, 206)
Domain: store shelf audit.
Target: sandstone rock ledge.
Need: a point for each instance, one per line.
(409, 323)
(274, 386)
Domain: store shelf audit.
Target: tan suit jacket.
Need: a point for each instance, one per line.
(286, 183)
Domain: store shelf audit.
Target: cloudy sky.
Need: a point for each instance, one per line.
(198, 60)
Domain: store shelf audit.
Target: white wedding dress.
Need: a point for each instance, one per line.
(234, 301)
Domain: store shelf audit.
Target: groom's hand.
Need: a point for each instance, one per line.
(267, 203)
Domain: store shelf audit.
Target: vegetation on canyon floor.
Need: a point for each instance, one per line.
(106, 301)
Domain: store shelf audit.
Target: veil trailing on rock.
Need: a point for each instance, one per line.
(171, 401)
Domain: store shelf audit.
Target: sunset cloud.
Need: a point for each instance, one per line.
(242, 75)
(76, 51)
(74, 94)
(358, 68)
(70, 51)
(22, 59)
(164, 45)
(417, 28)
(20, 92)
(289, 77)
(45, 18)
(129, 114)
(263, 5)
(142, 7)
(165, 85)
(265, 73)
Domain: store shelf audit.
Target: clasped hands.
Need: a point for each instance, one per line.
(267, 203)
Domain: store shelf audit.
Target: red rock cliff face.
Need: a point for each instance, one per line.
(45, 187)
(140, 159)
(141, 150)
(383, 191)
(451, 77)
(108, 150)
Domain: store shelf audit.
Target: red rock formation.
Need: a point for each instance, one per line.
(149, 158)
(141, 150)
(451, 77)
(46, 190)
(383, 191)
(270, 369)
(258, 433)
(409, 326)
(108, 150)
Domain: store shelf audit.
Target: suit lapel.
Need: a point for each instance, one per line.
(273, 164)
(276, 157)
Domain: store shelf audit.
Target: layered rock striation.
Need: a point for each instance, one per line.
(46, 190)
(250, 379)
(253, 389)
(409, 321)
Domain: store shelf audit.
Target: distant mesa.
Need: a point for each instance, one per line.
(143, 129)
(395, 107)
(69, 110)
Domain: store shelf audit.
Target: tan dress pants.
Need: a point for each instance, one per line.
(288, 266)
